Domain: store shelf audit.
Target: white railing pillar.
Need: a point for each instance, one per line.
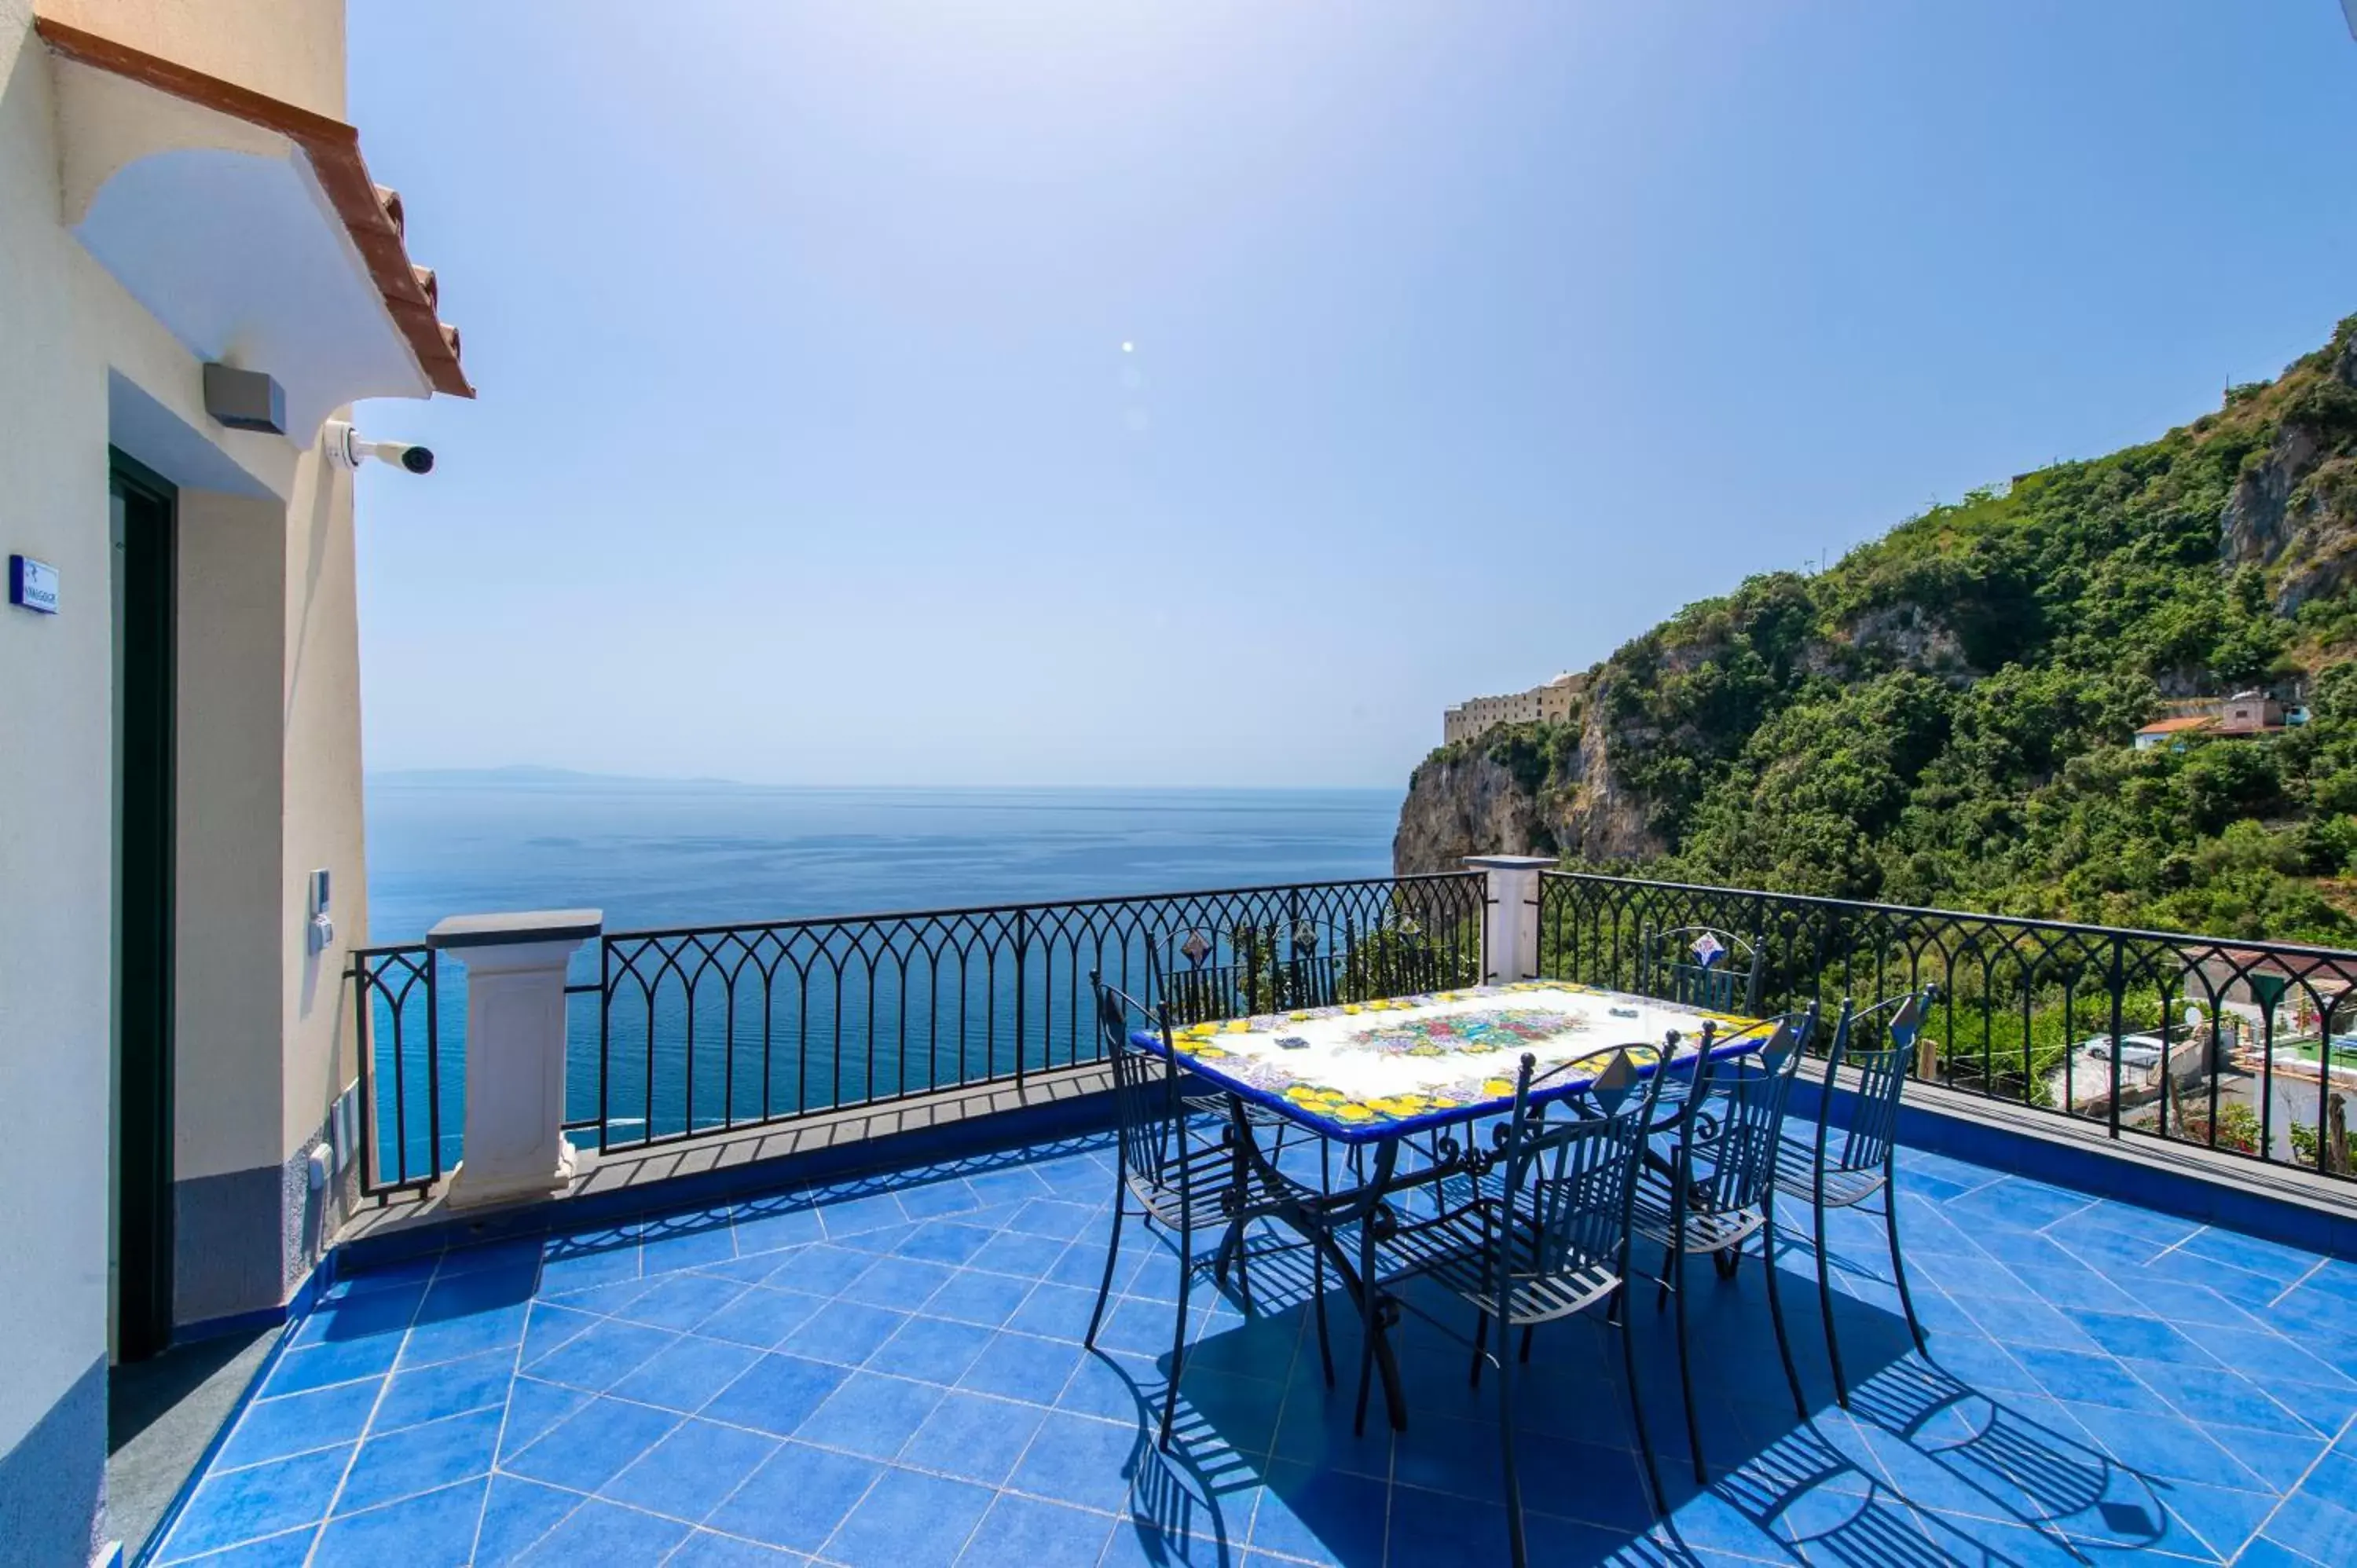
(1510, 919)
(515, 1145)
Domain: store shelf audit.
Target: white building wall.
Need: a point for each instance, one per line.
(56, 808)
(269, 767)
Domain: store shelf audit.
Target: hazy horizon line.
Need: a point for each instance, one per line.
(524, 773)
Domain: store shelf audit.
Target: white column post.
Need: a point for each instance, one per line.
(1510, 922)
(515, 1146)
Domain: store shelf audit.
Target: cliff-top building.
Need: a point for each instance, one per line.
(1550, 704)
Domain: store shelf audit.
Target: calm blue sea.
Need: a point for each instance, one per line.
(657, 853)
(739, 1032)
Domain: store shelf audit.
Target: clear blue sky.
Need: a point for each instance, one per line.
(1471, 339)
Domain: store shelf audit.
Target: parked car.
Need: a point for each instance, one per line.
(2135, 1050)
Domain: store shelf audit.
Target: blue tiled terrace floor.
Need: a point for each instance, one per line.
(889, 1372)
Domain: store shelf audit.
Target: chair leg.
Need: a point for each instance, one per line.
(1527, 1330)
(1506, 1439)
(1318, 1263)
(1776, 1312)
(1480, 1346)
(1685, 1379)
(1825, 1300)
(1325, 1344)
(1368, 1292)
(1178, 1349)
(1898, 1268)
(1637, 1403)
(1113, 1250)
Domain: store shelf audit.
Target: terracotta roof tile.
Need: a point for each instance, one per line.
(372, 213)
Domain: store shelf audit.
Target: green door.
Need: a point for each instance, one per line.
(144, 689)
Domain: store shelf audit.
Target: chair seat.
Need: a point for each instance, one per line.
(1457, 1251)
(1205, 1195)
(1707, 1230)
(1796, 1176)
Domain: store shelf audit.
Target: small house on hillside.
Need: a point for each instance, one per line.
(2243, 714)
(2250, 713)
(2164, 732)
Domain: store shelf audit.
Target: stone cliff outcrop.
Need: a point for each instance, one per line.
(1511, 797)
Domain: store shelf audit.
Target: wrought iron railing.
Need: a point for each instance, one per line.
(694, 1031)
(2234, 1045)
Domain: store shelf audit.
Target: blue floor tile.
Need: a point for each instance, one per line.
(706, 1549)
(533, 1407)
(762, 1317)
(1023, 1367)
(973, 1437)
(776, 1394)
(843, 1332)
(797, 1498)
(295, 1424)
(334, 1361)
(589, 1447)
(453, 1388)
(601, 1356)
(1024, 1533)
(692, 1471)
(909, 1520)
(600, 1534)
(681, 1301)
(1075, 1459)
(238, 1506)
(2100, 1372)
(420, 1458)
(972, 1296)
(433, 1526)
(1321, 1516)
(516, 1514)
(944, 1241)
(932, 1348)
(871, 1414)
(686, 1376)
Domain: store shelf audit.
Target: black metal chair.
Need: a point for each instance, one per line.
(1547, 1238)
(1703, 966)
(1182, 1175)
(1718, 1190)
(1863, 1162)
(1698, 966)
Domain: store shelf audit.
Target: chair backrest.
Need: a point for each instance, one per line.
(1145, 1085)
(1727, 1134)
(1208, 976)
(1569, 1185)
(1702, 966)
(1868, 1120)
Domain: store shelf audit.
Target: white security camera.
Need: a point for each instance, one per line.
(346, 449)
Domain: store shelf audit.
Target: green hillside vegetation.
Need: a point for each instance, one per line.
(1945, 717)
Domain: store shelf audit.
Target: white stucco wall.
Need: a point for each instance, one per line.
(269, 732)
(289, 49)
(322, 826)
(231, 940)
(56, 812)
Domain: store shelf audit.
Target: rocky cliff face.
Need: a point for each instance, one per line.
(1492, 798)
(2294, 507)
(1913, 696)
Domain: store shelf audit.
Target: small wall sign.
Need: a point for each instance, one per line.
(33, 585)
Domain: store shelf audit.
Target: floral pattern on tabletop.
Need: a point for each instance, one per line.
(1368, 1067)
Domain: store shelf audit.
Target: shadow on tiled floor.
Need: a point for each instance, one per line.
(889, 1372)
